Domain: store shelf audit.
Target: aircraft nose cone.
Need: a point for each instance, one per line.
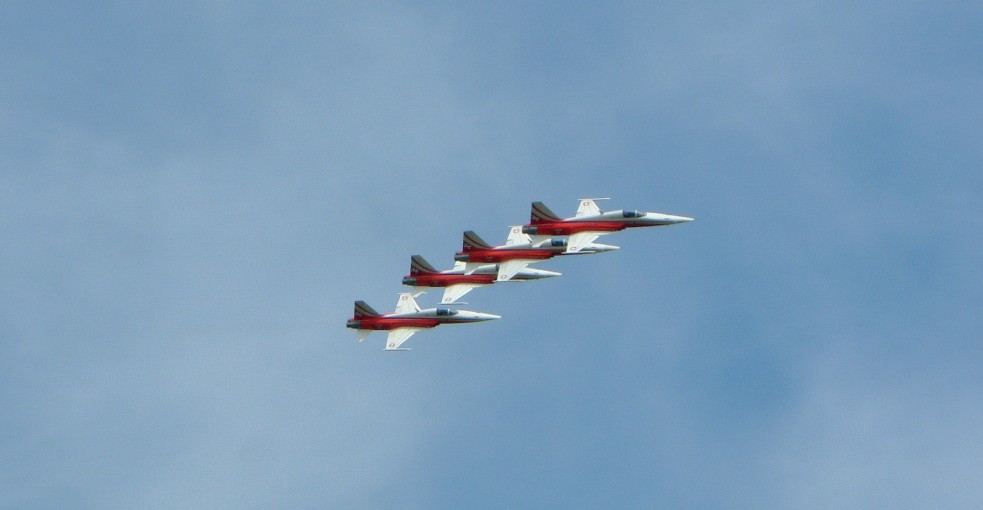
(541, 273)
(600, 248)
(666, 219)
(489, 316)
(669, 219)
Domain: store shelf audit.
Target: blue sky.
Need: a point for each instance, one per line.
(193, 194)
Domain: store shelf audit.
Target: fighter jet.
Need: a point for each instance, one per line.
(590, 223)
(456, 284)
(511, 258)
(519, 251)
(407, 320)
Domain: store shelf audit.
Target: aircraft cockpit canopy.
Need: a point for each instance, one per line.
(632, 214)
(446, 311)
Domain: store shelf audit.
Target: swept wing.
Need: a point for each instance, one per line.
(454, 292)
(406, 303)
(398, 336)
(509, 268)
(578, 241)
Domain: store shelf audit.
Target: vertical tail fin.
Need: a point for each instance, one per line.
(419, 265)
(362, 309)
(473, 242)
(541, 213)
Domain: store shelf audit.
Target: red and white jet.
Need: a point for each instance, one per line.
(407, 320)
(590, 223)
(456, 283)
(518, 252)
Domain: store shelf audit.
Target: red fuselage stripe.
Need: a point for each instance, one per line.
(395, 322)
(565, 228)
(446, 280)
(497, 256)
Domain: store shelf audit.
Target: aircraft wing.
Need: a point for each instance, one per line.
(398, 336)
(509, 268)
(588, 207)
(516, 237)
(454, 292)
(538, 241)
(406, 303)
(576, 242)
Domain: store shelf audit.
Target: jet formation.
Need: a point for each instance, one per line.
(480, 264)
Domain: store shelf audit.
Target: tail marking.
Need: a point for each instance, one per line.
(419, 265)
(541, 213)
(473, 242)
(362, 310)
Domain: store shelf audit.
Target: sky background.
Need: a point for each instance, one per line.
(192, 194)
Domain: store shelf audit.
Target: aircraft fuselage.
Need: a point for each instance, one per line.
(446, 280)
(495, 256)
(428, 318)
(612, 221)
(386, 323)
(566, 228)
